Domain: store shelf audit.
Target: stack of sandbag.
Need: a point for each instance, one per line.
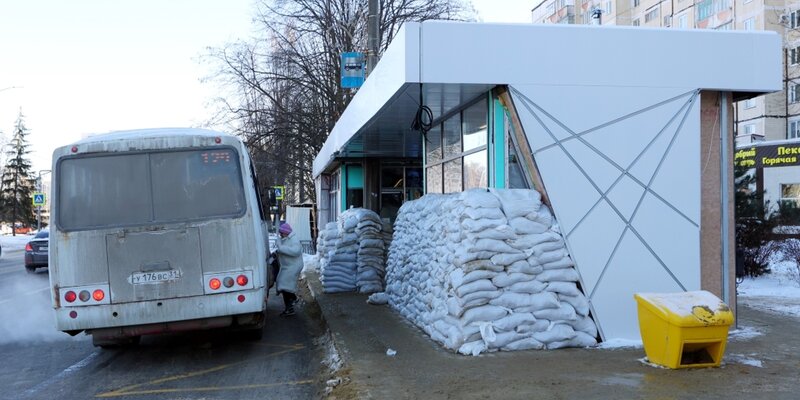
(356, 250)
(339, 275)
(370, 260)
(485, 271)
(326, 243)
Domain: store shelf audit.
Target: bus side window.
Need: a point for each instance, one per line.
(258, 192)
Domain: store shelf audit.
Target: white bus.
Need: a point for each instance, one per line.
(156, 231)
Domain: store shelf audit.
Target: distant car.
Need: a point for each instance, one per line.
(36, 251)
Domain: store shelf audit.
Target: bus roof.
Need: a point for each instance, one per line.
(149, 133)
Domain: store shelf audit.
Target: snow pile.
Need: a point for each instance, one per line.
(485, 271)
(352, 253)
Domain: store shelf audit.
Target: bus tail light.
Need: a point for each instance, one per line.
(228, 281)
(89, 295)
(70, 296)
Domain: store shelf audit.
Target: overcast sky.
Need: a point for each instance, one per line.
(92, 66)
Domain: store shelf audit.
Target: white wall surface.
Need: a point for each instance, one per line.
(622, 168)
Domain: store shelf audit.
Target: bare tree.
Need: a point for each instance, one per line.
(283, 94)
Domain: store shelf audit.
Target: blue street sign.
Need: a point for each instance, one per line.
(353, 69)
(38, 199)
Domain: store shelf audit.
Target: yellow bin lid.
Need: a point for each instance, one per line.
(687, 309)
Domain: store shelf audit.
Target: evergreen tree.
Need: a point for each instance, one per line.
(754, 224)
(17, 183)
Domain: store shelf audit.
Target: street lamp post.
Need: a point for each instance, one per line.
(39, 208)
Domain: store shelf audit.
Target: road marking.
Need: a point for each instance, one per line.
(32, 292)
(63, 374)
(130, 390)
(205, 389)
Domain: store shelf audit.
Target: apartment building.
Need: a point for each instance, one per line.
(774, 116)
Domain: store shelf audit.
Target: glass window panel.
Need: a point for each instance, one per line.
(790, 191)
(390, 204)
(452, 176)
(355, 198)
(452, 136)
(475, 118)
(392, 177)
(103, 191)
(196, 184)
(433, 179)
(433, 145)
(355, 177)
(413, 183)
(516, 177)
(475, 170)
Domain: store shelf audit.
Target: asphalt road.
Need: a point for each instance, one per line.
(39, 362)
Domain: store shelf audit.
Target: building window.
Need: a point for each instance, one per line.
(794, 130)
(651, 15)
(725, 27)
(749, 129)
(464, 163)
(794, 55)
(794, 93)
(635, 22)
(607, 8)
(636, 3)
(794, 19)
(682, 21)
(749, 24)
(790, 192)
(750, 103)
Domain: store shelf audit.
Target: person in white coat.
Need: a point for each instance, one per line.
(290, 257)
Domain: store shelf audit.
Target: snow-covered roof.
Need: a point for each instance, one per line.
(149, 133)
(455, 62)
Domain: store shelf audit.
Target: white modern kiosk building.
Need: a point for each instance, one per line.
(619, 128)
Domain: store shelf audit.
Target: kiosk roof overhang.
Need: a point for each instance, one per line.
(454, 62)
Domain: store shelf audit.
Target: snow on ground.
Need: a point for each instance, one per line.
(777, 292)
(9, 243)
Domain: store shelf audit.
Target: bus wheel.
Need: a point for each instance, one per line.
(30, 270)
(109, 343)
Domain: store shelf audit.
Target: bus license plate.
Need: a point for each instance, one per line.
(141, 278)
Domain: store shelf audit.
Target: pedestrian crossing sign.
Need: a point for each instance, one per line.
(38, 199)
(279, 191)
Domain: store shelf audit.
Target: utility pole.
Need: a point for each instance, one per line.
(372, 35)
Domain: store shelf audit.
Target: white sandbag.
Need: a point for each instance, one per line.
(479, 198)
(472, 348)
(502, 232)
(526, 343)
(511, 321)
(538, 301)
(564, 288)
(585, 324)
(508, 258)
(542, 216)
(549, 245)
(539, 325)
(479, 225)
(581, 339)
(579, 303)
(564, 312)
(502, 339)
(370, 287)
(490, 245)
(556, 333)
(531, 287)
(476, 286)
(518, 202)
(503, 279)
(561, 274)
(551, 256)
(524, 226)
(525, 268)
(487, 333)
(483, 213)
(378, 298)
(478, 298)
(565, 262)
(483, 314)
(458, 277)
(479, 265)
(524, 242)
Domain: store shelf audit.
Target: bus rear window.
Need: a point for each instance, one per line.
(147, 188)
